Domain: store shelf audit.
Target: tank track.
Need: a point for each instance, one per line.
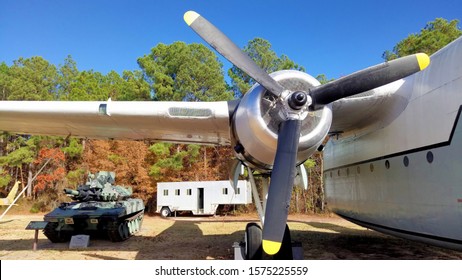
(55, 236)
(123, 229)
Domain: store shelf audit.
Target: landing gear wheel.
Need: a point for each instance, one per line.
(253, 242)
(165, 212)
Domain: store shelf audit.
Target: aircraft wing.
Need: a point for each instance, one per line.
(371, 110)
(180, 122)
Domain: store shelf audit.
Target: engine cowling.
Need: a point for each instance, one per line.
(256, 121)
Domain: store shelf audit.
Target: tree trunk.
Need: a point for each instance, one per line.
(29, 181)
(205, 163)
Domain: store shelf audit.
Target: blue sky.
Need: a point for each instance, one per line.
(333, 38)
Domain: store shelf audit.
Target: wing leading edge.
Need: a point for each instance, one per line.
(371, 110)
(179, 122)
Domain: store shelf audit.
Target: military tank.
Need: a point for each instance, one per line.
(99, 208)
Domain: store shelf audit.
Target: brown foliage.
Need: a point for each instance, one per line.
(126, 158)
(212, 165)
(53, 172)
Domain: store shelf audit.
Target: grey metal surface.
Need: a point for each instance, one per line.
(405, 177)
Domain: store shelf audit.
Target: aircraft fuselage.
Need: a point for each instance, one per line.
(406, 178)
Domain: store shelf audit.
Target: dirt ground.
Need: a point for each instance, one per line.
(192, 238)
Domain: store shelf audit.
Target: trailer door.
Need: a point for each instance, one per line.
(200, 200)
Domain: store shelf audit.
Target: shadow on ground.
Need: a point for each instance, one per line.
(186, 239)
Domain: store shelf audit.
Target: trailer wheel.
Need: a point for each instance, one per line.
(253, 242)
(165, 212)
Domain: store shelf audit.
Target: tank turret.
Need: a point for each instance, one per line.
(100, 187)
(99, 206)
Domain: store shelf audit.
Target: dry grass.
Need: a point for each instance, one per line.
(323, 237)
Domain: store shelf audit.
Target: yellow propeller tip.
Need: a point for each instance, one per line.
(423, 60)
(271, 247)
(190, 17)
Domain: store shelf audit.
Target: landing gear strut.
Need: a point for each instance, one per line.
(251, 248)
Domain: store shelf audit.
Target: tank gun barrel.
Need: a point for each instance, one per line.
(71, 192)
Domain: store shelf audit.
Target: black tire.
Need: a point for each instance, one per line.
(165, 212)
(253, 242)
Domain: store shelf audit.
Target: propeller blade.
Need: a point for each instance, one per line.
(368, 79)
(223, 45)
(281, 184)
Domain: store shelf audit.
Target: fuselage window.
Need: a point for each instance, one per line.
(387, 164)
(430, 157)
(406, 161)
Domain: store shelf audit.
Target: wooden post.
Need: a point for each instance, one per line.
(34, 247)
(36, 225)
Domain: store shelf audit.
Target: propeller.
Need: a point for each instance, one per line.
(284, 168)
(368, 79)
(281, 184)
(223, 45)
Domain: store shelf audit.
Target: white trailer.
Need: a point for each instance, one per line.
(201, 197)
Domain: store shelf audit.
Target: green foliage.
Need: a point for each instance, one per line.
(21, 151)
(18, 157)
(89, 85)
(171, 158)
(434, 36)
(32, 79)
(309, 163)
(4, 81)
(5, 179)
(116, 159)
(260, 51)
(193, 151)
(323, 79)
(76, 177)
(184, 72)
(74, 149)
(67, 78)
(35, 208)
(160, 149)
(134, 87)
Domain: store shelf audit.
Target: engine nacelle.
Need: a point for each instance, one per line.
(255, 123)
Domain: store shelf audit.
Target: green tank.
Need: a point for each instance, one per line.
(99, 208)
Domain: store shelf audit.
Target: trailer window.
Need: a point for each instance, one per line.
(238, 191)
(177, 192)
(189, 192)
(165, 192)
(225, 191)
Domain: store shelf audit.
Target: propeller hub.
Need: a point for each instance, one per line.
(298, 100)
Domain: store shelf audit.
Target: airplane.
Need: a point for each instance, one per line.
(390, 162)
(9, 199)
